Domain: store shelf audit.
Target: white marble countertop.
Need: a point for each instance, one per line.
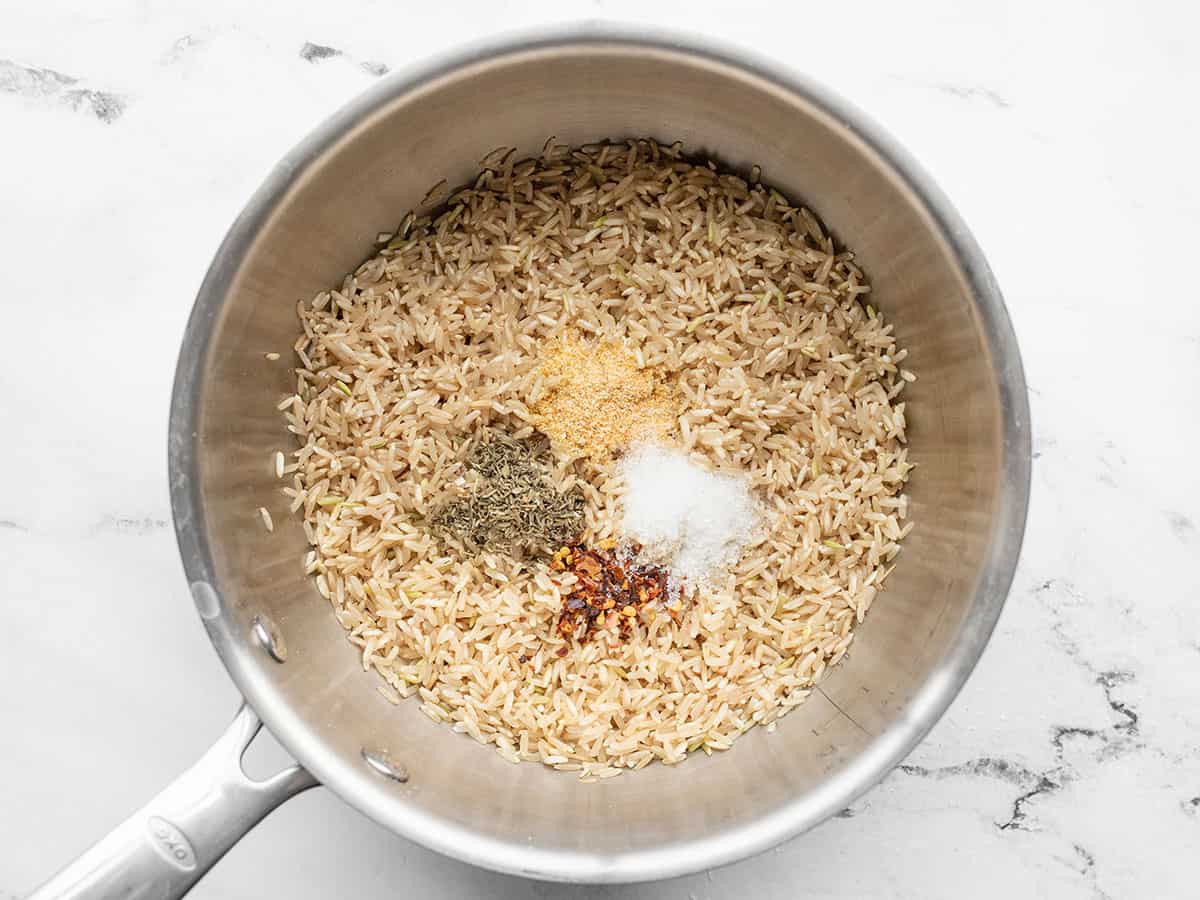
(131, 134)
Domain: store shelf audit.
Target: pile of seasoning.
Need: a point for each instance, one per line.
(512, 503)
(599, 399)
(694, 522)
(610, 589)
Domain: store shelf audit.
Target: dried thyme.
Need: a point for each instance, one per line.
(513, 503)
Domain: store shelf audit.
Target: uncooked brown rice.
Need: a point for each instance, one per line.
(784, 374)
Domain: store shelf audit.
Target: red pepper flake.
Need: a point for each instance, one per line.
(608, 588)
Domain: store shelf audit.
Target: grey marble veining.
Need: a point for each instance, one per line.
(51, 86)
(1070, 765)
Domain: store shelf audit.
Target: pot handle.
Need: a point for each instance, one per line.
(166, 846)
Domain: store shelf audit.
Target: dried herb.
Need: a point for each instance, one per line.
(610, 589)
(513, 503)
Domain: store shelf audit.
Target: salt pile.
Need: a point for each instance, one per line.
(691, 520)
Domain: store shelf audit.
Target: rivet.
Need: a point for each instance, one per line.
(206, 600)
(382, 763)
(269, 638)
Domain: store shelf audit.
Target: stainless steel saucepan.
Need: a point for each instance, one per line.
(314, 219)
